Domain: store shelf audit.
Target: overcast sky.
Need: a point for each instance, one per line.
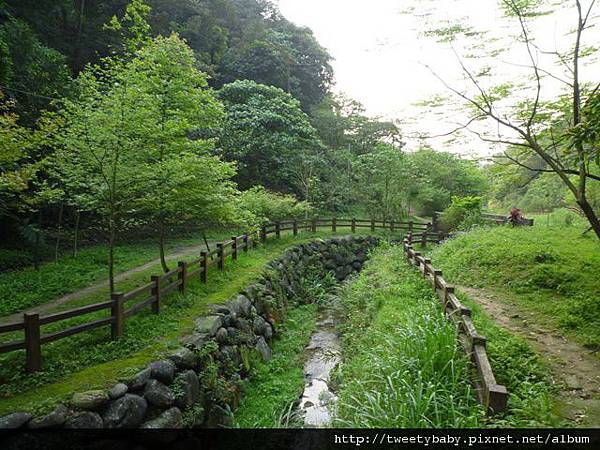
(381, 53)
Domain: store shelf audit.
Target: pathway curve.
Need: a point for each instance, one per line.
(576, 368)
(47, 307)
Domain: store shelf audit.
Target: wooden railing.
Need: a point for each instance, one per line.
(122, 306)
(492, 395)
(487, 217)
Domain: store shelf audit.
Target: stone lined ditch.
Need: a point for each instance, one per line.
(323, 355)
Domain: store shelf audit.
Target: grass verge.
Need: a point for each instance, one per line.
(402, 365)
(551, 271)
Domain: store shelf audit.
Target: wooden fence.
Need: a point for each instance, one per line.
(122, 306)
(492, 395)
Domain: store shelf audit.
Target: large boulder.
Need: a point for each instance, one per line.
(187, 389)
(90, 400)
(14, 420)
(118, 391)
(171, 418)
(126, 412)
(208, 324)
(184, 358)
(158, 394)
(163, 371)
(140, 379)
(85, 420)
(55, 419)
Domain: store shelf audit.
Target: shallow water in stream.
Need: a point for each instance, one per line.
(323, 355)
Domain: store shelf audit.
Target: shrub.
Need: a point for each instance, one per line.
(265, 206)
(463, 213)
(14, 259)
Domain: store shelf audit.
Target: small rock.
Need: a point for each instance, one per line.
(222, 336)
(263, 349)
(15, 420)
(196, 340)
(573, 383)
(188, 391)
(118, 391)
(126, 412)
(90, 400)
(140, 379)
(171, 418)
(208, 324)
(84, 419)
(184, 358)
(56, 418)
(158, 394)
(163, 371)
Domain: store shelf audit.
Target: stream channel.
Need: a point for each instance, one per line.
(323, 355)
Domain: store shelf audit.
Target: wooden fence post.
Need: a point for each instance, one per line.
(278, 229)
(295, 227)
(182, 275)
(118, 316)
(254, 239)
(220, 257)
(372, 225)
(409, 237)
(334, 225)
(156, 291)
(353, 225)
(234, 248)
(440, 236)
(392, 226)
(424, 239)
(410, 226)
(263, 233)
(204, 266)
(447, 290)
(314, 225)
(33, 346)
(245, 243)
(434, 221)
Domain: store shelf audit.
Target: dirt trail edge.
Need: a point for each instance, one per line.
(46, 307)
(575, 368)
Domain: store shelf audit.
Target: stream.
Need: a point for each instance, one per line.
(323, 355)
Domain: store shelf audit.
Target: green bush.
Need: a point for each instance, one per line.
(14, 259)
(463, 213)
(265, 206)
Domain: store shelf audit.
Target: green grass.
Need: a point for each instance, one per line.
(272, 392)
(28, 287)
(402, 366)
(551, 271)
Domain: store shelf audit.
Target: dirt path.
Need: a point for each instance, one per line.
(574, 368)
(47, 307)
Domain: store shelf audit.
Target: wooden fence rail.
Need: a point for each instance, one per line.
(122, 306)
(492, 395)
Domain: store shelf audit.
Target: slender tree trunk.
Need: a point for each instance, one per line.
(76, 234)
(36, 245)
(590, 215)
(111, 254)
(161, 244)
(59, 230)
(207, 246)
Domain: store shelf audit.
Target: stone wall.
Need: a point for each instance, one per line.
(201, 383)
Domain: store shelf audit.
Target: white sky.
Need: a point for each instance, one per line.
(380, 55)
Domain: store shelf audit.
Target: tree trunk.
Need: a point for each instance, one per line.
(111, 255)
(590, 215)
(207, 246)
(59, 230)
(76, 234)
(161, 245)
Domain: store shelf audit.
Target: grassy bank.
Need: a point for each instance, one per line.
(272, 391)
(402, 365)
(551, 271)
